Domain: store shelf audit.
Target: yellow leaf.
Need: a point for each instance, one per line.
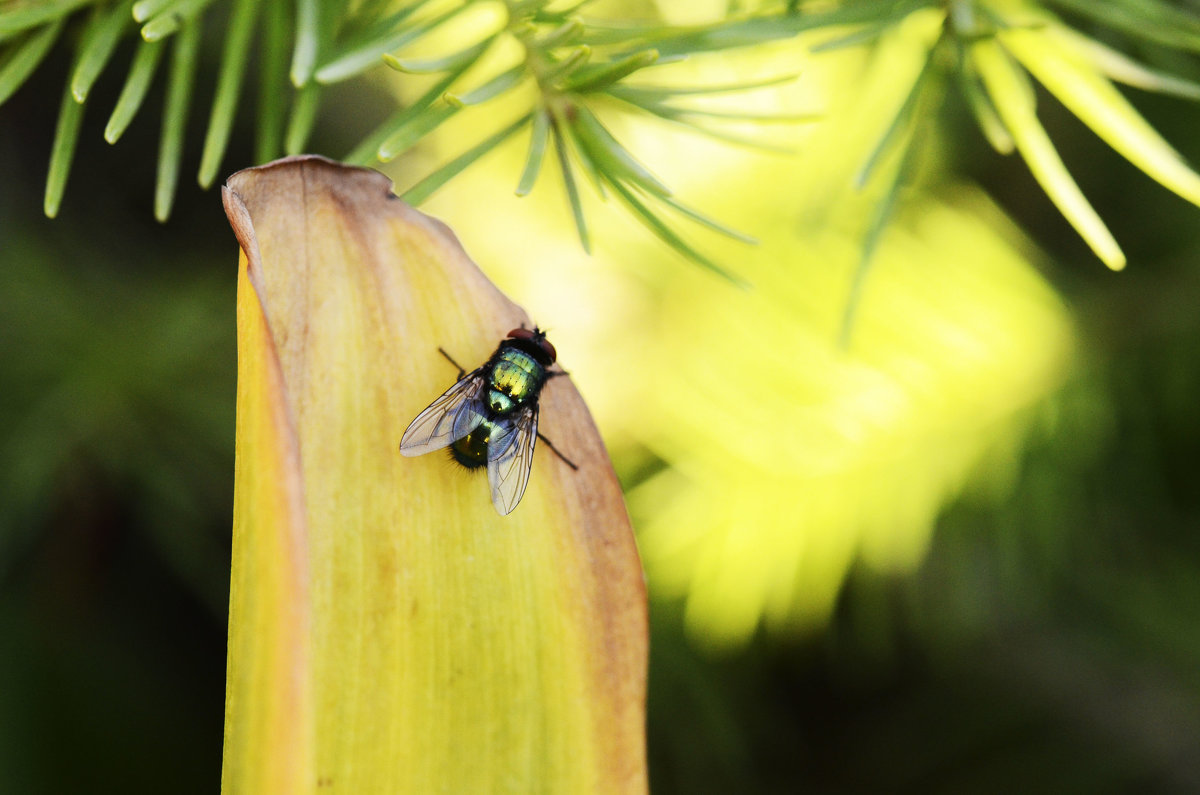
(270, 749)
(389, 631)
(1064, 68)
(1014, 100)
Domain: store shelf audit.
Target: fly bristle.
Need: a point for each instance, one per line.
(461, 461)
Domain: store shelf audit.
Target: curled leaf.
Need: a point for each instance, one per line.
(389, 631)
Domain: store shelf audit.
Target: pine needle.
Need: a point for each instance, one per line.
(229, 85)
(169, 19)
(538, 137)
(610, 156)
(97, 48)
(564, 164)
(304, 57)
(184, 57)
(62, 151)
(425, 188)
(25, 58)
(36, 14)
(141, 72)
(304, 116)
(268, 133)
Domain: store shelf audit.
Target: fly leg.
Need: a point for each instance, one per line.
(461, 371)
(550, 444)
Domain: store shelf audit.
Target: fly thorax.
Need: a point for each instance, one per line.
(514, 379)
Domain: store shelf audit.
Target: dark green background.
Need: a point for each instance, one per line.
(1049, 643)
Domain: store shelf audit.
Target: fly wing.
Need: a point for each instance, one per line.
(449, 418)
(510, 457)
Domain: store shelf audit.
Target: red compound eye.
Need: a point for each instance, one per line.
(537, 338)
(545, 345)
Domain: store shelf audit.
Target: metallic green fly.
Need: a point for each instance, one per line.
(490, 416)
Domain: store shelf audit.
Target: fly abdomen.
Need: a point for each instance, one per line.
(472, 450)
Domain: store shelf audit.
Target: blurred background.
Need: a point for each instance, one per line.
(948, 545)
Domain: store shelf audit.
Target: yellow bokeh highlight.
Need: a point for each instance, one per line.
(792, 458)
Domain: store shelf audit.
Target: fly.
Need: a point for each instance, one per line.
(490, 416)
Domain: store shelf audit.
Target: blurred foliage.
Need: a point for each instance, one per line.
(1032, 627)
(799, 463)
(567, 61)
(116, 443)
(114, 381)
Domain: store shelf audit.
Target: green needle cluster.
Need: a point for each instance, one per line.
(574, 70)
